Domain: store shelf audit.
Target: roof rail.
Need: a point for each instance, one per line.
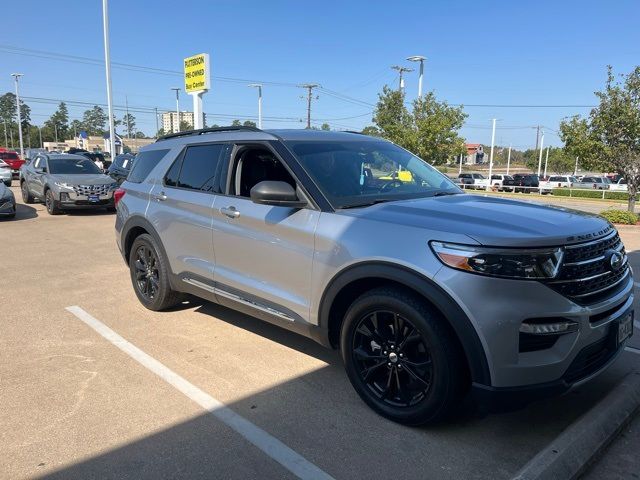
(208, 130)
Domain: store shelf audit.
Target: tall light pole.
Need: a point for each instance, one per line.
(16, 76)
(6, 139)
(421, 59)
(177, 90)
(401, 70)
(540, 157)
(107, 67)
(546, 160)
(509, 160)
(40, 134)
(493, 139)
(575, 170)
(259, 87)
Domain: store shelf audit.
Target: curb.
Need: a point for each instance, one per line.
(572, 451)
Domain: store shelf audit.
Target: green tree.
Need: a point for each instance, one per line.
(184, 126)
(430, 130)
(249, 123)
(609, 139)
(8, 112)
(236, 123)
(325, 126)
(95, 120)
(140, 134)
(75, 127)
(59, 122)
(371, 130)
(129, 123)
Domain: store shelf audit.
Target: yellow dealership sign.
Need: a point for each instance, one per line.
(196, 73)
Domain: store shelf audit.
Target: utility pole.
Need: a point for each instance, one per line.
(537, 136)
(157, 129)
(546, 160)
(107, 66)
(401, 70)
(575, 170)
(309, 87)
(493, 139)
(55, 129)
(509, 159)
(177, 90)
(40, 133)
(16, 76)
(126, 107)
(540, 157)
(259, 87)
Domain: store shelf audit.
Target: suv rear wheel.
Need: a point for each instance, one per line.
(401, 358)
(150, 275)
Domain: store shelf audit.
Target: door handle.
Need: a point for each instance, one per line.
(161, 197)
(230, 212)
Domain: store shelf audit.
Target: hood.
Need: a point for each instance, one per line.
(83, 179)
(5, 193)
(490, 220)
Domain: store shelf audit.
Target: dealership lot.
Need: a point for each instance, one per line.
(78, 402)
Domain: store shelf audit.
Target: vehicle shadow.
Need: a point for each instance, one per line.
(23, 212)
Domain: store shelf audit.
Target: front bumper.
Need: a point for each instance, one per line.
(7, 207)
(497, 307)
(68, 199)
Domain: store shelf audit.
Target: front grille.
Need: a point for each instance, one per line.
(586, 276)
(91, 189)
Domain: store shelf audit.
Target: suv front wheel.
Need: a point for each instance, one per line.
(401, 358)
(150, 275)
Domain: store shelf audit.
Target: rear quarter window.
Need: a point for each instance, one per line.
(145, 162)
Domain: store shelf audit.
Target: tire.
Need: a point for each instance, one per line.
(8, 184)
(151, 285)
(53, 207)
(425, 360)
(26, 194)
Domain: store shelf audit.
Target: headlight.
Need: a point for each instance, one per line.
(501, 262)
(63, 185)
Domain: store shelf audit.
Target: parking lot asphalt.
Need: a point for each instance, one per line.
(76, 405)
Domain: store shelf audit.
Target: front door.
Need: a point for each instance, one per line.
(263, 253)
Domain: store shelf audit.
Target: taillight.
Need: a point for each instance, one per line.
(117, 195)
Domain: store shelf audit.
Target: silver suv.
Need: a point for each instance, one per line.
(430, 294)
(65, 182)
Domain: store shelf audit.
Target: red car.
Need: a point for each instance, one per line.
(12, 159)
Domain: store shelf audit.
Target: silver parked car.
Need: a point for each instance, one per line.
(6, 174)
(429, 293)
(66, 182)
(7, 202)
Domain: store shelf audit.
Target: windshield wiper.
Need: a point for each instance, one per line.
(367, 204)
(442, 194)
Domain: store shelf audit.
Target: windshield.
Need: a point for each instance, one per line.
(359, 173)
(9, 156)
(71, 166)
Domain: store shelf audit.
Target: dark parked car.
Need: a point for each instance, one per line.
(521, 182)
(7, 202)
(120, 167)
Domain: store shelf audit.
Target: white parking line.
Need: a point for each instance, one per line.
(270, 445)
(632, 350)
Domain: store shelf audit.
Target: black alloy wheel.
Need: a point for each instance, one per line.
(147, 276)
(392, 358)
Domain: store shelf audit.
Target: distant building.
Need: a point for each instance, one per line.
(95, 143)
(170, 120)
(475, 154)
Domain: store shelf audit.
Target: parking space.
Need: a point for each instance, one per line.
(79, 405)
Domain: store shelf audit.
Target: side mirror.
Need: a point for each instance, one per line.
(277, 194)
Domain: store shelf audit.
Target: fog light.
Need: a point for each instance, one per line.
(551, 328)
(64, 197)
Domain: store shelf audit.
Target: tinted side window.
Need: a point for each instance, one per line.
(171, 178)
(145, 162)
(199, 166)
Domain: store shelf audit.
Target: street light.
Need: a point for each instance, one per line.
(16, 76)
(259, 87)
(107, 67)
(177, 90)
(401, 70)
(421, 59)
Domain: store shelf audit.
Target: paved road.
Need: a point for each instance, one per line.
(74, 405)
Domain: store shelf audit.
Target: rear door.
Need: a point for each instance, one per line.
(181, 209)
(36, 177)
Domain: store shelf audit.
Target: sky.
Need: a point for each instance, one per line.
(501, 59)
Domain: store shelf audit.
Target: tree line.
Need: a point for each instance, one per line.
(57, 127)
